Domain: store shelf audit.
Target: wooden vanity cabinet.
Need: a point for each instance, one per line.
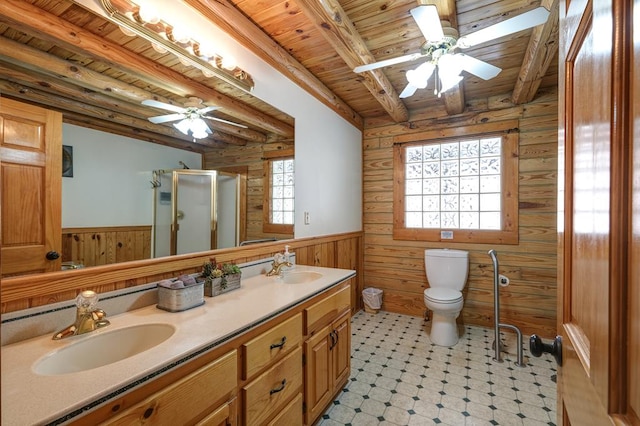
(257, 378)
(327, 352)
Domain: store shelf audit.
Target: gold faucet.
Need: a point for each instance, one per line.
(277, 265)
(88, 316)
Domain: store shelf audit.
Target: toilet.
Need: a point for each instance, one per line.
(447, 275)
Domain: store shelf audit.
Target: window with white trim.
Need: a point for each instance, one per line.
(460, 189)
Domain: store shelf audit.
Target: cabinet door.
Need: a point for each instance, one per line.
(318, 386)
(30, 188)
(226, 415)
(341, 351)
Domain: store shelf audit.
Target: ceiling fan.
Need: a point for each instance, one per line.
(441, 43)
(191, 117)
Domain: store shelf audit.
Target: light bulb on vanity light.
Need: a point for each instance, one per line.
(178, 35)
(228, 62)
(126, 31)
(148, 13)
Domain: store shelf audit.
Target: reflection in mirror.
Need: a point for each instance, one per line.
(97, 82)
(195, 210)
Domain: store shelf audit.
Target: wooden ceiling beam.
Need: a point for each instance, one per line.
(223, 14)
(94, 114)
(33, 20)
(543, 46)
(54, 67)
(336, 27)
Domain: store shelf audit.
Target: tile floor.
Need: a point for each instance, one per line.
(398, 377)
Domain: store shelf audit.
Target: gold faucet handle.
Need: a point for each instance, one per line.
(87, 300)
(98, 314)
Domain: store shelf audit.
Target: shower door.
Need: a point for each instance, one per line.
(193, 216)
(195, 210)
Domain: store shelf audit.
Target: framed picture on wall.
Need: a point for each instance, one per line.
(67, 161)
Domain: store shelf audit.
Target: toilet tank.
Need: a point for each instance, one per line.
(447, 268)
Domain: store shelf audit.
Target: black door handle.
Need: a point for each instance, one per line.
(537, 347)
(52, 255)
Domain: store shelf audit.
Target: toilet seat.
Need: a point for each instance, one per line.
(443, 295)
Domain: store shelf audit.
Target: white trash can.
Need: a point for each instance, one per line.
(372, 300)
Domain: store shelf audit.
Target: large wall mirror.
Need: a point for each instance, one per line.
(98, 75)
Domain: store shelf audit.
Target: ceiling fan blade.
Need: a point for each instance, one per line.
(164, 118)
(208, 109)
(225, 121)
(162, 105)
(479, 68)
(387, 62)
(428, 20)
(408, 91)
(512, 25)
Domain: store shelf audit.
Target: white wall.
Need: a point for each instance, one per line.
(328, 150)
(111, 177)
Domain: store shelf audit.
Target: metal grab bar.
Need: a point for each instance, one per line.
(263, 240)
(496, 315)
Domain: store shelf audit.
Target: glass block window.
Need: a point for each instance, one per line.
(454, 185)
(281, 177)
(457, 189)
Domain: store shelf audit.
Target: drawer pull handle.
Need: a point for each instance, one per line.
(279, 345)
(279, 388)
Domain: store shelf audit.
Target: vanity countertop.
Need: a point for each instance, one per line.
(29, 398)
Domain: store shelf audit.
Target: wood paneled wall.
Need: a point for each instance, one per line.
(337, 251)
(106, 245)
(397, 267)
(252, 157)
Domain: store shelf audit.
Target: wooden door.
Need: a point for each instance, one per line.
(30, 185)
(598, 315)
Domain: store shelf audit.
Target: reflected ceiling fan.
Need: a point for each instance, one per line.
(191, 117)
(441, 43)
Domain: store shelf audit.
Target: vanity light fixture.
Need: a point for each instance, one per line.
(140, 18)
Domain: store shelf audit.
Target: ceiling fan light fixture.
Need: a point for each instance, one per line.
(420, 76)
(448, 81)
(183, 125)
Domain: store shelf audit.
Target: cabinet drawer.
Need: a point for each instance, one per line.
(272, 389)
(270, 345)
(188, 398)
(290, 415)
(327, 310)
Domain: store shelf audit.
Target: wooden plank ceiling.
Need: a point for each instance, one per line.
(58, 54)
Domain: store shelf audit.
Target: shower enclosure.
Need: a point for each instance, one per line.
(195, 210)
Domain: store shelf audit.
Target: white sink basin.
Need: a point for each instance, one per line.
(300, 277)
(104, 348)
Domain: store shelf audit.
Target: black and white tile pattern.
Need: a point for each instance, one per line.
(398, 377)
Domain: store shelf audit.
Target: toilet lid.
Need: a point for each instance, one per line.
(443, 295)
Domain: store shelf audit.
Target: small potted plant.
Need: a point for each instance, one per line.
(220, 277)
